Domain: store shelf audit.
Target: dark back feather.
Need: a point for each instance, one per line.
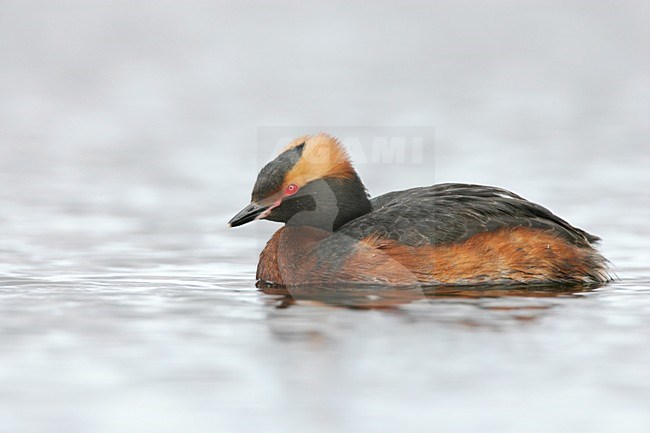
(451, 213)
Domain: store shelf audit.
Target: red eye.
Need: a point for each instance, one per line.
(291, 189)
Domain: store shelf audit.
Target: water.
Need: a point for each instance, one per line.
(129, 136)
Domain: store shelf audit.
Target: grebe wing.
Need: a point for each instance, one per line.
(452, 212)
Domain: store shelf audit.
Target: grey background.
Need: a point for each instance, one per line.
(129, 135)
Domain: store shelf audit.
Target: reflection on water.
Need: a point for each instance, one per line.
(368, 296)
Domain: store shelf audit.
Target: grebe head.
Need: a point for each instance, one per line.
(311, 183)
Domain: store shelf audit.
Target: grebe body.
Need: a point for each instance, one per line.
(452, 234)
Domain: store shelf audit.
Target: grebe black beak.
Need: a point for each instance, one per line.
(252, 212)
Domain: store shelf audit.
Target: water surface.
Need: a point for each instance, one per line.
(129, 137)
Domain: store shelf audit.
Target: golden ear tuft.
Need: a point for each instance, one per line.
(322, 156)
